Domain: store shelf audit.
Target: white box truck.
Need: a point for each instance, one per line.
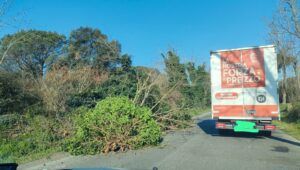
(244, 89)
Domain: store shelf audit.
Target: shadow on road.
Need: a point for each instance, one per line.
(284, 140)
(208, 126)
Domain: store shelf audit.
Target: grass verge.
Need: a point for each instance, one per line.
(292, 129)
(38, 155)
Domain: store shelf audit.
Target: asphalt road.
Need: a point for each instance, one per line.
(200, 147)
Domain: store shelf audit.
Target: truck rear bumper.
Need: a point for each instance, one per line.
(232, 124)
(245, 118)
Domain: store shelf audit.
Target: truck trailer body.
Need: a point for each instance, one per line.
(244, 88)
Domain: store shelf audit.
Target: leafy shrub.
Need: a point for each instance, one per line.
(116, 85)
(13, 150)
(114, 124)
(25, 135)
(294, 114)
(13, 97)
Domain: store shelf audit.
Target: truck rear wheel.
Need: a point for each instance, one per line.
(224, 131)
(267, 133)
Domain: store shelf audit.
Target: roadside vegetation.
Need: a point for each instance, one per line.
(290, 119)
(114, 124)
(81, 95)
(285, 34)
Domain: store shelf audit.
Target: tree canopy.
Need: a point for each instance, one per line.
(31, 51)
(88, 46)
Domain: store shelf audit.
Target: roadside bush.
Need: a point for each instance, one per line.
(117, 85)
(61, 83)
(25, 135)
(115, 124)
(294, 114)
(13, 96)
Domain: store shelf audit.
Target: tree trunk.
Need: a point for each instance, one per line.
(295, 68)
(41, 69)
(297, 76)
(284, 84)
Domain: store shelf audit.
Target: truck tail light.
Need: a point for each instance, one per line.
(270, 127)
(220, 125)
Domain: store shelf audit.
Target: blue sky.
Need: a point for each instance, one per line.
(147, 28)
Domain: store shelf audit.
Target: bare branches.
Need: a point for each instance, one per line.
(166, 95)
(285, 27)
(10, 45)
(294, 15)
(60, 83)
(285, 34)
(145, 85)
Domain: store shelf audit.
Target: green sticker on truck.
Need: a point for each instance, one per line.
(245, 126)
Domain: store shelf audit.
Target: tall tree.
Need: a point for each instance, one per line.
(174, 69)
(89, 46)
(283, 62)
(125, 62)
(191, 81)
(32, 51)
(285, 34)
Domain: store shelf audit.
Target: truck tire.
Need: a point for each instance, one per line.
(267, 133)
(223, 132)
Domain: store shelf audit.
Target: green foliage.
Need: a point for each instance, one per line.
(284, 108)
(198, 111)
(25, 135)
(294, 114)
(13, 97)
(125, 62)
(72, 102)
(114, 124)
(292, 90)
(120, 84)
(117, 85)
(290, 119)
(31, 51)
(192, 82)
(291, 128)
(174, 69)
(197, 93)
(88, 46)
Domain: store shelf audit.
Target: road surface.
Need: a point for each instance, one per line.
(200, 147)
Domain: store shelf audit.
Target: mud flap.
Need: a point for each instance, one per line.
(245, 126)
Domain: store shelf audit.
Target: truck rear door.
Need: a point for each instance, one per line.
(244, 84)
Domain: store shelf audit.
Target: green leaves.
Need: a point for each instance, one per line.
(88, 46)
(31, 51)
(294, 114)
(191, 81)
(117, 124)
(13, 97)
(23, 136)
